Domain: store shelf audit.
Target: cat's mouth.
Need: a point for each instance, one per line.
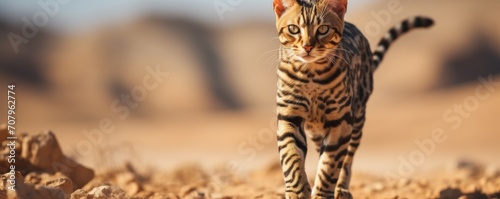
(308, 58)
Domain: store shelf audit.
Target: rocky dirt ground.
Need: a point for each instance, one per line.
(43, 171)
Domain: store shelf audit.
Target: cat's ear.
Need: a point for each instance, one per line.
(337, 6)
(281, 5)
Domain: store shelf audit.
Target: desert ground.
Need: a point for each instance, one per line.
(184, 141)
(43, 171)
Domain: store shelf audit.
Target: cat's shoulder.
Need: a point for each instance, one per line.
(350, 28)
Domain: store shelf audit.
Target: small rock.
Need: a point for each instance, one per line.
(33, 178)
(450, 193)
(164, 196)
(430, 194)
(144, 194)
(492, 171)
(129, 182)
(125, 178)
(36, 178)
(403, 182)
(132, 188)
(472, 188)
(378, 186)
(423, 183)
(465, 169)
(108, 192)
(220, 196)
(79, 194)
(375, 187)
(483, 181)
(64, 183)
(186, 190)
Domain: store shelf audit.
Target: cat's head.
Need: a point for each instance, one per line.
(310, 29)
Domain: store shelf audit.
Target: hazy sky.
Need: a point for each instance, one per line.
(82, 14)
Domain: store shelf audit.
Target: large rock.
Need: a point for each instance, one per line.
(43, 151)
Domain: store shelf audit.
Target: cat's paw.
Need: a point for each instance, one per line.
(297, 196)
(328, 195)
(321, 197)
(342, 194)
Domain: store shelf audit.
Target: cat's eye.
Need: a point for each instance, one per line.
(323, 30)
(293, 29)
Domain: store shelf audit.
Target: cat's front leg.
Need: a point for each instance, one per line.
(332, 154)
(292, 148)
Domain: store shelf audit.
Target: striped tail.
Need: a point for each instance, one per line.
(396, 32)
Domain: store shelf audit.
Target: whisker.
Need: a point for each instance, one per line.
(274, 63)
(342, 49)
(274, 38)
(271, 51)
(345, 50)
(342, 59)
(278, 59)
(270, 58)
(333, 57)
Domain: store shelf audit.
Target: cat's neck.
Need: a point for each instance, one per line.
(299, 67)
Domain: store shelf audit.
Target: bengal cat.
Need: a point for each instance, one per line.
(325, 78)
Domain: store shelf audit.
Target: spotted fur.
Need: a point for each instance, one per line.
(325, 78)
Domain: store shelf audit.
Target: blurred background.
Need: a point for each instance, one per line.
(77, 62)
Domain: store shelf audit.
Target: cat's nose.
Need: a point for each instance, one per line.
(308, 48)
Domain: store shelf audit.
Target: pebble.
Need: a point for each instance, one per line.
(108, 192)
(64, 183)
(492, 171)
(403, 182)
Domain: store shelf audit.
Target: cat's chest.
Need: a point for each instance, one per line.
(309, 89)
(317, 95)
(315, 117)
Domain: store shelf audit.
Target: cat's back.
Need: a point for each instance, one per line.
(351, 31)
(353, 39)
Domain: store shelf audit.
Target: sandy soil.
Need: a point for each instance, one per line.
(38, 176)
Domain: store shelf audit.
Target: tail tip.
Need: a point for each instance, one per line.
(424, 21)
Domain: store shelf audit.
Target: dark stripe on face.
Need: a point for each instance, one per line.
(304, 15)
(281, 31)
(317, 16)
(338, 32)
(309, 15)
(333, 42)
